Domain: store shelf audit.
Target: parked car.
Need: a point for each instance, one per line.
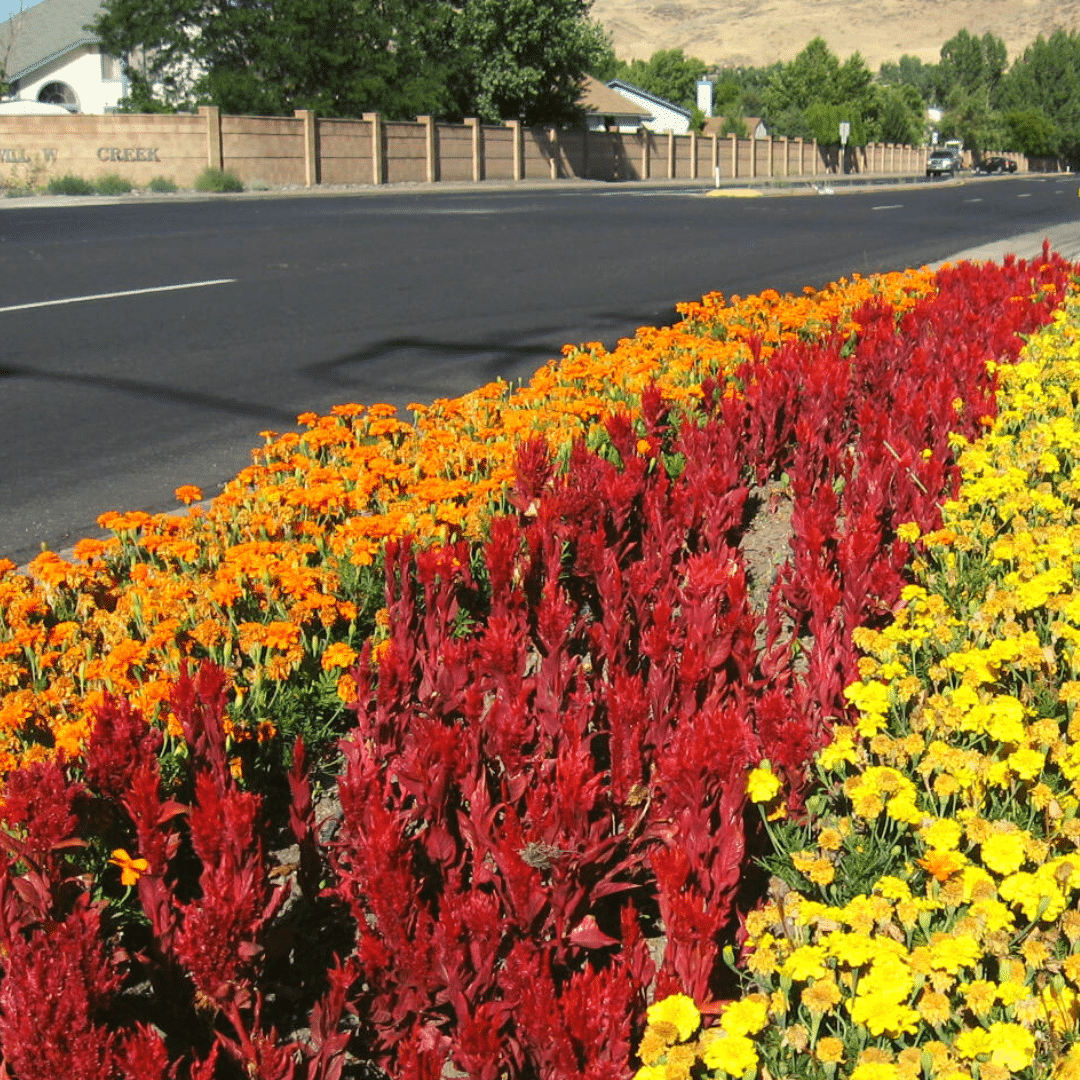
(941, 162)
(997, 165)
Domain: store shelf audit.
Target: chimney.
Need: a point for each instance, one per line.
(704, 96)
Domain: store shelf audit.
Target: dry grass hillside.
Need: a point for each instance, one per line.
(757, 32)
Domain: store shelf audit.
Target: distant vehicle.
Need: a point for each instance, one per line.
(942, 162)
(997, 165)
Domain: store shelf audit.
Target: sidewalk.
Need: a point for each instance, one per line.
(1064, 239)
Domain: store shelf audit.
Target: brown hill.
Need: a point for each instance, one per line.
(758, 32)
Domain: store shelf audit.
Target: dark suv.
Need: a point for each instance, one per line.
(941, 162)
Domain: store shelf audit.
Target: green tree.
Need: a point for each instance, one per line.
(498, 59)
(911, 71)
(899, 117)
(812, 94)
(339, 57)
(524, 58)
(971, 66)
(1031, 131)
(1043, 85)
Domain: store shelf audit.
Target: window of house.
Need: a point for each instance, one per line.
(59, 93)
(111, 68)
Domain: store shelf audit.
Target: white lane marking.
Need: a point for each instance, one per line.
(979, 199)
(1024, 195)
(891, 206)
(113, 295)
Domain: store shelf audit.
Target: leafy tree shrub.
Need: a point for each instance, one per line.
(70, 184)
(113, 184)
(163, 185)
(218, 181)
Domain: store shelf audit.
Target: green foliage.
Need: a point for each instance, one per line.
(339, 57)
(113, 184)
(218, 181)
(524, 58)
(812, 94)
(402, 58)
(910, 71)
(70, 184)
(1045, 81)
(163, 185)
(1031, 131)
(899, 116)
(668, 73)
(971, 66)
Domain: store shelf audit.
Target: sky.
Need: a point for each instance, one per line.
(10, 7)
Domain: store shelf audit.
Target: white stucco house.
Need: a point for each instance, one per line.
(663, 115)
(50, 57)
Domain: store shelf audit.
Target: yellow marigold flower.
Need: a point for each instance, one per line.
(881, 1015)
(1037, 897)
(659, 1037)
(821, 996)
(830, 1050)
(677, 1010)
(1061, 1007)
(651, 1072)
(875, 1070)
(731, 1054)
(1068, 1068)
(130, 869)
(840, 751)
(979, 996)
(909, 532)
(746, 1017)
(762, 784)
(1027, 763)
(943, 834)
(950, 954)
(806, 962)
(829, 839)
(935, 1008)
(1004, 853)
(1011, 1046)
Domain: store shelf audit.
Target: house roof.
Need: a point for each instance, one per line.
(45, 32)
(598, 98)
(625, 88)
(715, 124)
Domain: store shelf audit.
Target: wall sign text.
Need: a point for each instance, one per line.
(17, 155)
(128, 153)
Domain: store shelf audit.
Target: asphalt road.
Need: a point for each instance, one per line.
(112, 402)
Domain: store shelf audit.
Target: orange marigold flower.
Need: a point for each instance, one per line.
(942, 864)
(338, 655)
(130, 869)
(188, 494)
(281, 635)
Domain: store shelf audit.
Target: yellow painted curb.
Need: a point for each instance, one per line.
(734, 193)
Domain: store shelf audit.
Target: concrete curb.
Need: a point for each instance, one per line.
(775, 186)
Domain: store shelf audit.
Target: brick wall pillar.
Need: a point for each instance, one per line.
(375, 120)
(671, 154)
(518, 149)
(477, 146)
(213, 135)
(431, 162)
(311, 161)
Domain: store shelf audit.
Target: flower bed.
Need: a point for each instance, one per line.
(542, 820)
(924, 921)
(279, 580)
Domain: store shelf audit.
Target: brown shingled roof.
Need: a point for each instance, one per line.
(602, 100)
